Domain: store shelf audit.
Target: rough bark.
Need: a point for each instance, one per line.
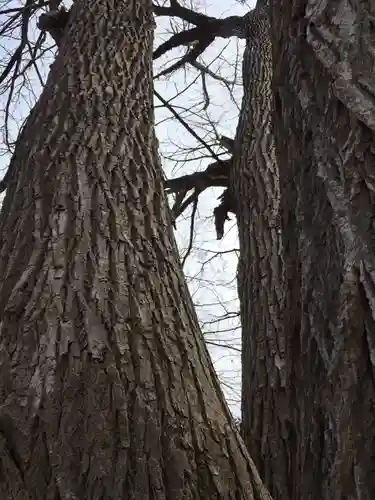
(106, 387)
(324, 125)
(255, 187)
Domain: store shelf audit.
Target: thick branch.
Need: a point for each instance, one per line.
(212, 28)
(177, 10)
(54, 23)
(190, 57)
(205, 31)
(216, 174)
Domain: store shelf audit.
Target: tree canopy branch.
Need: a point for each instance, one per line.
(177, 10)
(187, 126)
(190, 57)
(216, 174)
(205, 31)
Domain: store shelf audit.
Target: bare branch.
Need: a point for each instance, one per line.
(54, 22)
(227, 204)
(190, 57)
(177, 10)
(204, 69)
(16, 58)
(204, 33)
(216, 174)
(186, 126)
(191, 237)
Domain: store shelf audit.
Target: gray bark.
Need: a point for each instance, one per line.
(106, 387)
(324, 126)
(255, 187)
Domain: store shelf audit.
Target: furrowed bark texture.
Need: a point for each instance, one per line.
(106, 387)
(255, 187)
(324, 84)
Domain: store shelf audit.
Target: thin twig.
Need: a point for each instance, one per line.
(187, 126)
(191, 238)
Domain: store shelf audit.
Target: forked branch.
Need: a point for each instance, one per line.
(215, 175)
(204, 32)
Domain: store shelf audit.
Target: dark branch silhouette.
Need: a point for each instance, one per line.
(190, 57)
(54, 23)
(177, 10)
(215, 175)
(205, 30)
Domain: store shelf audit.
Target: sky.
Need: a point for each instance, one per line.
(210, 105)
(213, 285)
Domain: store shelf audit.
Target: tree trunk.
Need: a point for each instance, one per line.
(255, 187)
(106, 387)
(324, 126)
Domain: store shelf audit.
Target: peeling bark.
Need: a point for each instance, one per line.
(106, 387)
(324, 86)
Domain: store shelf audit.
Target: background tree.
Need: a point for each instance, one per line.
(107, 390)
(254, 187)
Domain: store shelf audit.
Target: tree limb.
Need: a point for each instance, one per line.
(177, 10)
(205, 31)
(216, 174)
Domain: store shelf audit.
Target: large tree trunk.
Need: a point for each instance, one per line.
(255, 187)
(106, 387)
(324, 125)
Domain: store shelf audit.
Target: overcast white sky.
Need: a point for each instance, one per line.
(213, 285)
(211, 279)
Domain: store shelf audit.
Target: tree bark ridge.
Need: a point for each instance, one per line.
(106, 387)
(254, 181)
(324, 89)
